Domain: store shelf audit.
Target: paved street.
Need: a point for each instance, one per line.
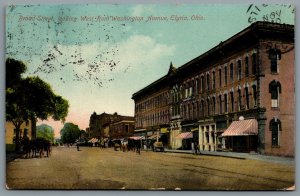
(95, 168)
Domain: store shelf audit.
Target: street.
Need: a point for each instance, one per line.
(95, 168)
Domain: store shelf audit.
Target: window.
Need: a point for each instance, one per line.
(275, 127)
(186, 93)
(239, 100)
(232, 101)
(220, 104)
(239, 69)
(247, 97)
(254, 63)
(25, 134)
(254, 95)
(196, 86)
(225, 103)
(274, 89)
(225, 74)
(208, 108)
(274, 56)
(207, 81)
(202, 107)
(231, 71)
(202, 83)
(214, 80)
(246, 66)
(214, 105)
(220, 77)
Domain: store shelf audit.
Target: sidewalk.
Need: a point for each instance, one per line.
(12, 156)
(253, 156)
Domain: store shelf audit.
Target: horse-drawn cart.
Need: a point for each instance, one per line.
(158, 146)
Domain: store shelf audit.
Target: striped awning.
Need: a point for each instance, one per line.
(93, 140)
(137, 137)
(185, 135)
(242, 128)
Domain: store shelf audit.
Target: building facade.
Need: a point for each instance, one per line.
(10, 133)
(110, 125)
(152, 111)
(248, 76)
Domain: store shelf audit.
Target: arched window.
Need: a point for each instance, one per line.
(247, 98)
(275, 127)
(239, 100)
(220, 77)
(274, 89)
(220, 104)
(208, 108)
(246, 66)
(225, 103)
(274, 56)
(202, 107)
(214, 105)
(231, 71)
(214, 80)
(254, 63)
(207, 81)
(232, 101)
(202, 83)
(239, 73)
(225, 75)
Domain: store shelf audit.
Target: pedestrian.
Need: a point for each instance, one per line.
(77, 145)
(196, 148)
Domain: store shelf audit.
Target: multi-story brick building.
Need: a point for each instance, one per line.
(152, 112)
(110, 125)
(250, 76)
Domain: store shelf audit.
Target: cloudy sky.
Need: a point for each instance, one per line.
(97, 56)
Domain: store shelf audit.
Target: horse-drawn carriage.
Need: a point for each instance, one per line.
(36, 147)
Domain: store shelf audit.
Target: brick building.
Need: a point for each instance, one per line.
(152, 112)
(110, 125)
(233, 96)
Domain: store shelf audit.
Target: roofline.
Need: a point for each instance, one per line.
(252, 27)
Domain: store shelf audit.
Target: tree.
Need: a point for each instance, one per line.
(30, 99)
(70, 133)
(46, 132)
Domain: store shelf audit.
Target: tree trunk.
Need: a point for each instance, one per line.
(33, 127)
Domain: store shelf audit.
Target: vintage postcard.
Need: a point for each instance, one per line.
(150, 97)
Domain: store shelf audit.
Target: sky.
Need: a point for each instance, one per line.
(97, 55)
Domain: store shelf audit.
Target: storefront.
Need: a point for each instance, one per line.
(207, 135)
(187, 140)
(241, 136)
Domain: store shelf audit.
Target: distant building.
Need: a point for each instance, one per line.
(122, 129)
(110, 125)
(238, 96)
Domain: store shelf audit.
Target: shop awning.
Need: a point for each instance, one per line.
(137, 137)
(194, 129)
(185, 135)
(242, 128)
(93, 140)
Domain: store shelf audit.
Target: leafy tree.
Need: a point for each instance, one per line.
(30, 99)
(46, 132)
(69, 133)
